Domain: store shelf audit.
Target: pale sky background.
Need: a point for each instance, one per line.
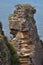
(7, 8)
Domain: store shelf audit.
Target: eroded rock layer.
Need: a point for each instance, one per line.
(26, 39)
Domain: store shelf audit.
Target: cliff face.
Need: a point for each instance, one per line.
(26, 40)
(4, 51)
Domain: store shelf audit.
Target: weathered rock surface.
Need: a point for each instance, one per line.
(26, 40)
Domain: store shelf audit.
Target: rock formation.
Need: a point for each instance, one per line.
(4, 51)
(25, 36)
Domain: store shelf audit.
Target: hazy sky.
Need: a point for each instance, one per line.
(7, 8)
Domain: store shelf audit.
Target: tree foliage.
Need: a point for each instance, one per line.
(14, 57)
(1, 38)
(41, 42)
(0, 25)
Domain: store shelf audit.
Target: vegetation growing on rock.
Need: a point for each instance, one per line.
(14, 57)
(8, 55)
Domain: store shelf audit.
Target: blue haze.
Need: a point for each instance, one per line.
(7, 8)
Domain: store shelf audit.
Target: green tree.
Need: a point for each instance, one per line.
(41, 42)
(0, 25)
(14, 57)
